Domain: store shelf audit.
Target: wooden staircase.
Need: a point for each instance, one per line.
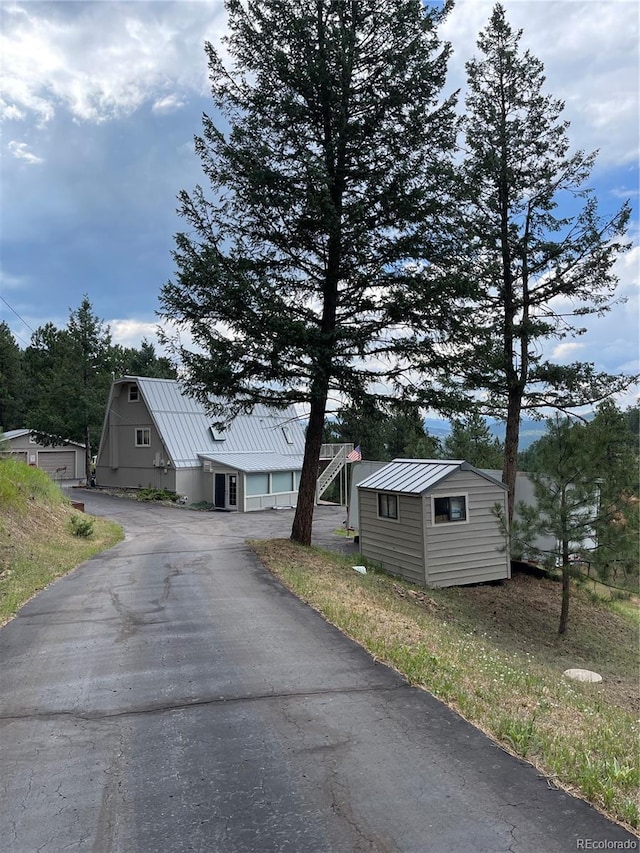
(337, 455)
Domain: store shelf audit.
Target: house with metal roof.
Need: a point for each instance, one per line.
(155, 436)
(433, 522)
(63, 460)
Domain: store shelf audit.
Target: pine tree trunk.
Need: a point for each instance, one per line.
(566, 577)
(511, 441)
(303, 520)
(566, 589)
(87, 455)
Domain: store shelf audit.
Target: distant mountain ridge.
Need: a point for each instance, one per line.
(530, 430)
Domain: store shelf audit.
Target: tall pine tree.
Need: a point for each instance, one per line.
(565, 489)
(11, 381)
(69, 375)
(307, 268)
(539, 251)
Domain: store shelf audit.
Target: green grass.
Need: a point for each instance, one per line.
(493, 654)
(38, 540)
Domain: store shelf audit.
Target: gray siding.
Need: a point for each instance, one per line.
(359, 472)
(397, 545)
(525, 493)
(59, 461)
(189, 483)
(180, 435)
(466, 552)
(120, 463)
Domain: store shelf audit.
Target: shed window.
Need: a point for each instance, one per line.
(387, 506)
(134, 394)
(287, 435)
(143, 437)
(449, 509)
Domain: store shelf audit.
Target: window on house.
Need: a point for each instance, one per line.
(446, 510)
(257, 484)
(287, 435)
(219, 432)
(387, 506)
(282, 481)
(143, 437)
(134, 394)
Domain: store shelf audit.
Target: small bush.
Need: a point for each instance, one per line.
(157, 495)
(80, 526)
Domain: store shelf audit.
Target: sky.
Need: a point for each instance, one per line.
(100, 102)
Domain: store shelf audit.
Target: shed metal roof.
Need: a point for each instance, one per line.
(185, 426)
(417, 476)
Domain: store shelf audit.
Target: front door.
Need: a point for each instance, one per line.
(225, 491)
(218, 491)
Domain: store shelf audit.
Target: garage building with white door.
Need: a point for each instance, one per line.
(62, 462)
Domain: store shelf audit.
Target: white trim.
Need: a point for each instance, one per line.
(142, 430)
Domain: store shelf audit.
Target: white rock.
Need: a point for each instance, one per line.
(583, 675)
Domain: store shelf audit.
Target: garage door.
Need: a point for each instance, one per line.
(18, 455)
(59, 464)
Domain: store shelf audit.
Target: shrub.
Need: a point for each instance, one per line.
(157, 495)
(81, 526)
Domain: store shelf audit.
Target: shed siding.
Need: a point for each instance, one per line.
(397, 545)
(470, 552)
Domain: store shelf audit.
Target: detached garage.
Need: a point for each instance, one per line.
(60, 461)
(433, 522)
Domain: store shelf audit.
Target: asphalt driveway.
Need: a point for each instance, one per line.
(169, 695)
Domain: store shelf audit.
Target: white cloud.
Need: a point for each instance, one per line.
(10, 112)
(168, 104)
(590, 54)
(104, 60)
(20, 150)
(129, 333)
(566, 351)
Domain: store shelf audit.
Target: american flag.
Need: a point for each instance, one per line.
(355, 455)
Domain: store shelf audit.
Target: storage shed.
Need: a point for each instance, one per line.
(62, 461)
(433, 522)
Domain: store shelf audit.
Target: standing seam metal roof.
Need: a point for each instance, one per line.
(417, 476)
(185, 426)
(252, 463)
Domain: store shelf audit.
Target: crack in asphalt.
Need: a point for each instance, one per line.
(89, 716)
